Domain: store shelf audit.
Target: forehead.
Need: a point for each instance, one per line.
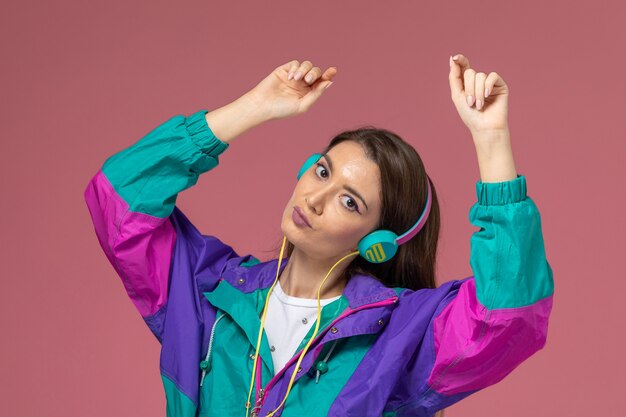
(351, 164)
(351, 153)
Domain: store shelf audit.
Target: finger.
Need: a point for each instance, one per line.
(491, 82)
(292, 66)
(469, 79)
(329, 74)
(462, 60)
(316, 92)
(456, 82)
(288, 65)
(479, 89)
(303, 69)
(458, 65)
(313, 74)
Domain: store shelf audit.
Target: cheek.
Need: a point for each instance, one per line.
(345, 229)
(287, 211)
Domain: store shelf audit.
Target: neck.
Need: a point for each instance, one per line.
(303, 275)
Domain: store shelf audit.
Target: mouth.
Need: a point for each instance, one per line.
(299, 217)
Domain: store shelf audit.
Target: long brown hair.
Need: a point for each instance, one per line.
(404, 191)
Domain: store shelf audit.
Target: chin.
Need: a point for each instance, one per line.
(294, 236)
(291, 231)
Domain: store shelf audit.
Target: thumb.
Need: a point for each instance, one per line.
(315, 93)
(456, 82)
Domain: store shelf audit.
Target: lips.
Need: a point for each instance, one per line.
(299, 213)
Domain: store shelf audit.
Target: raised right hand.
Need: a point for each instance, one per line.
(281, 94)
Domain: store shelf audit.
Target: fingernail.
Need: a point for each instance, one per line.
(328, 85)
(479, 104)
(455, 57)
(298, 75)
(308, 78)
(470, 100)
(290, 76)
(450, 60)
(486, 93)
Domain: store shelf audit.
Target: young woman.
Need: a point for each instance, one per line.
(347, 321)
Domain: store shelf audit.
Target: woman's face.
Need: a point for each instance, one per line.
(340, 197)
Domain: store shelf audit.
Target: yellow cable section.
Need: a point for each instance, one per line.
(258, 343)
(317, 325)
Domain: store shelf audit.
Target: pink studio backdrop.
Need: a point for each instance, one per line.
(83, 80)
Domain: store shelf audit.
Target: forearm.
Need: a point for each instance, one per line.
(235, 118)
(495, 156)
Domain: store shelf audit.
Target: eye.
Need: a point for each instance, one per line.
(351, 203)
(317, 170)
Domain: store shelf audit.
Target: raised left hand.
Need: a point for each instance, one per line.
(480, 99)
(288, 90)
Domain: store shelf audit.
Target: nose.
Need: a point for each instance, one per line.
(313, 207)
(317, 199)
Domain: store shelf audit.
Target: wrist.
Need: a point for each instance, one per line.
(235, 118)
(495, 156)
(491, 138)
(255, 107)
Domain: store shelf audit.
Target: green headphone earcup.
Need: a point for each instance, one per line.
(307, 164)
(378, 246)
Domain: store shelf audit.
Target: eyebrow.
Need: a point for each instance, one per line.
(347, 187)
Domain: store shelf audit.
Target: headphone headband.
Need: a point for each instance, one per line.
(421, 221)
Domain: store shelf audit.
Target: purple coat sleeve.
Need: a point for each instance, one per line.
(131, 200)
(484, 326)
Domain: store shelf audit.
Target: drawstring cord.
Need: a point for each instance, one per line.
(205, 365)
(322, 366)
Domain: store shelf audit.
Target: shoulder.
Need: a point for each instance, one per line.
(248, 273)
(426, 302)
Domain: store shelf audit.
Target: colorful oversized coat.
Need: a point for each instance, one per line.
(396, 351)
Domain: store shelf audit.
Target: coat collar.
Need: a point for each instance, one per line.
(360, 289)
(246, 310)
(244, 294)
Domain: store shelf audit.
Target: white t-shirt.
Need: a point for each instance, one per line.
(287, 322)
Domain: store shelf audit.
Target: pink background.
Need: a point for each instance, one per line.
(83, 80)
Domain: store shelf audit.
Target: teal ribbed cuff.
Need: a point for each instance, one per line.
(499, 193)
(202, 135)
